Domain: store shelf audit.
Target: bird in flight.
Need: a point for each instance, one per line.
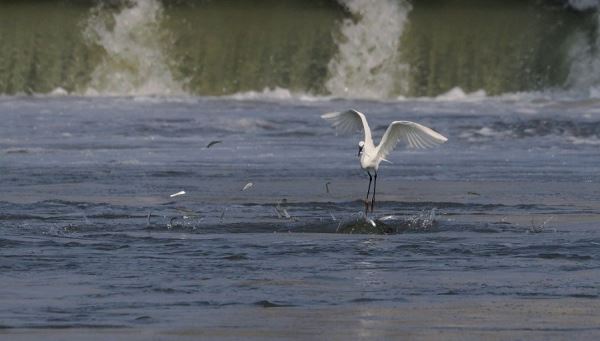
(412, 134)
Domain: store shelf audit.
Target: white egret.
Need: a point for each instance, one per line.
(412, 134)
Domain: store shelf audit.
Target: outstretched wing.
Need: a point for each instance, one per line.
(411, 133)
(349, 121)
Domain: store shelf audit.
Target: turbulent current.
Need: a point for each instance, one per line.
(344, 48)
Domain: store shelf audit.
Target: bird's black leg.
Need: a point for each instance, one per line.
(368, 191)
(374, 189)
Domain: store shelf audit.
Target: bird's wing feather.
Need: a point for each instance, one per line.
(349, 121)
(411, 133)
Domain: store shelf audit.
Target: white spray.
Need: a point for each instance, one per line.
(367, 65)
(134, 62)
(584, 4)
(584, 73)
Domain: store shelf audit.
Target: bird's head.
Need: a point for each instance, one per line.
(361, 145)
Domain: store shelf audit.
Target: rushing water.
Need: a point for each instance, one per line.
(108, 109)
(345, 48)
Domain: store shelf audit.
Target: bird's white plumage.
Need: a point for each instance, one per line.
(414, 135)
(350, 121)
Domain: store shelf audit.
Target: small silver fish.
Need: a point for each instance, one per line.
(177, 194)
(372, 222)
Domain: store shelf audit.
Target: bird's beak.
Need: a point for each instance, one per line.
(359, 150)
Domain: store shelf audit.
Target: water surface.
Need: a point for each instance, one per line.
(506, 211)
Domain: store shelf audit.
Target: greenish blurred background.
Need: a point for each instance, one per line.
(229, 46)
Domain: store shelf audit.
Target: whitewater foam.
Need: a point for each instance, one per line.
(276, 94)
(458, 94)
(366, 64)
(584, 4)
(133, 42)
(59, 92)
(594, 140)
(584, 56)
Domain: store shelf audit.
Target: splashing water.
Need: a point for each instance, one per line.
(584, 73)
(366, 65)
(584, 4)
(423, 221)
(134, 62)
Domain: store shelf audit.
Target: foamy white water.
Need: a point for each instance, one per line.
(133, 41)
(584, 4)
(458, 94)
(277, 94)
(366, 65)
(584, 73)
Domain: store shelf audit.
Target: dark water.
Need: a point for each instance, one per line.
(90, 237)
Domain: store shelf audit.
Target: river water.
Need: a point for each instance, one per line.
(507, 209)
(107, 110)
